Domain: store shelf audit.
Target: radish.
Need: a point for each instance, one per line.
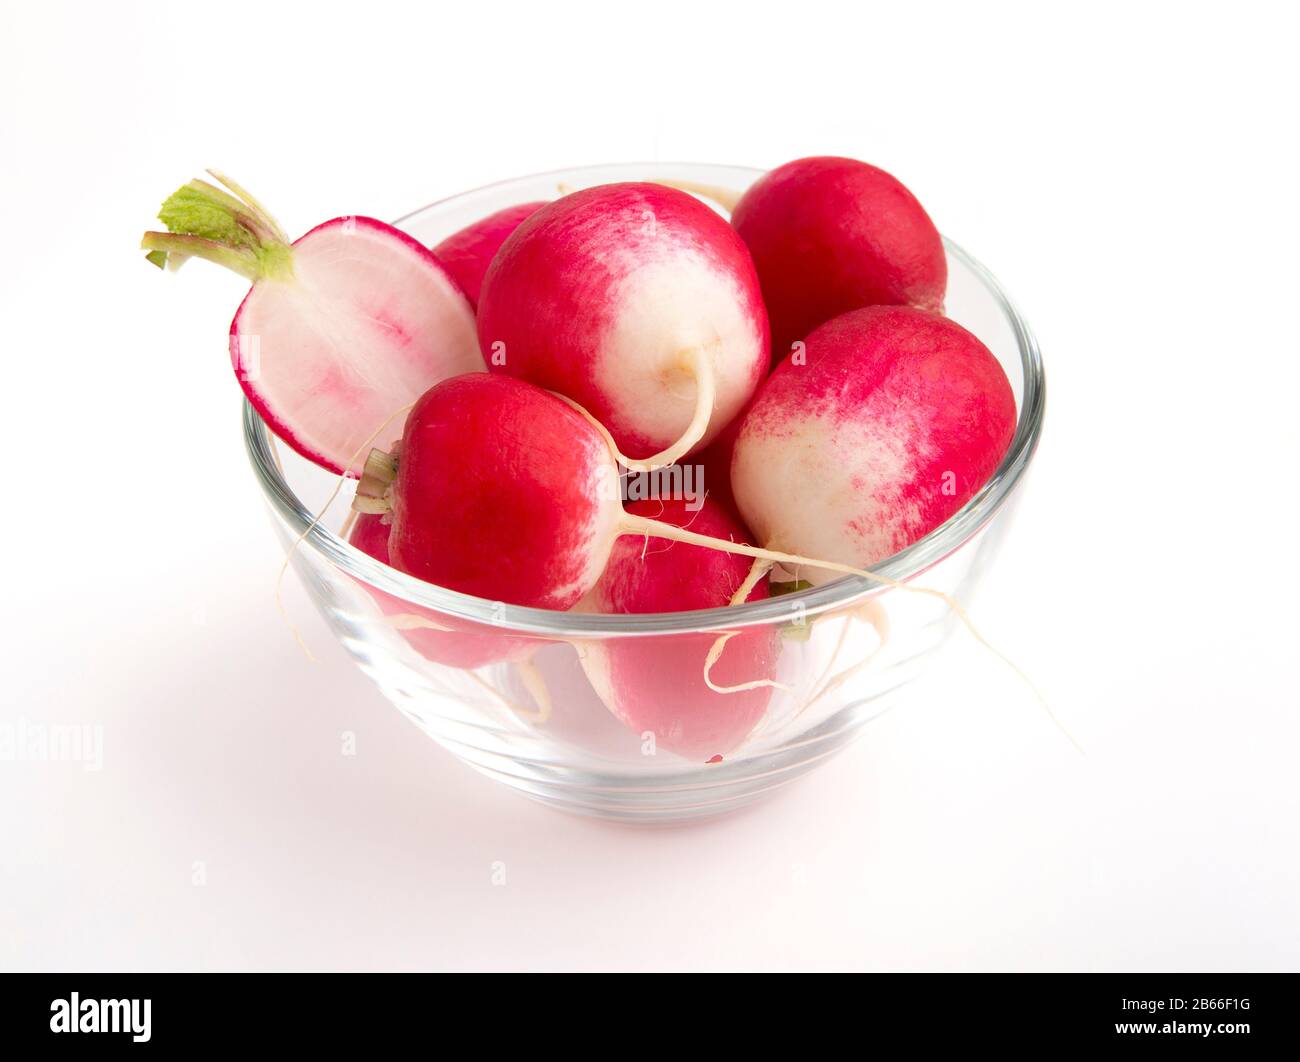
(894, 419)
(829, 235)
(467, 254)
(715, 461)
(437, 637)
(508, 492)
(499, 489)
(638, 302)
(697, 707)
(345, 325)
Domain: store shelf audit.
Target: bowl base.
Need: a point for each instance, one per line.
(704, 793)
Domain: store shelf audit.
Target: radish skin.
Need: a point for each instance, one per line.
(349, 322)
(637, 302)
(435, 636)
(893, 421)
(829, 235)
(696, 705)
(510, 493)
(503, 491)
(466, 254)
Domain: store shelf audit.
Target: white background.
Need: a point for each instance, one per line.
(1128, 171)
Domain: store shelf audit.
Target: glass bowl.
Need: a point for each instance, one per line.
(527, 696)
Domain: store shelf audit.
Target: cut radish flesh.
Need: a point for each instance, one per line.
(340, 331)
(467, 254)
(639, 303)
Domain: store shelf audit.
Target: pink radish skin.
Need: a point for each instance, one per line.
(829, 235)
(507, 492)
(624, 298)
(656, 684)
(464, 645)
(467, 254)
(340, 330)
(897, 418)
(503, 491)
(715, 462)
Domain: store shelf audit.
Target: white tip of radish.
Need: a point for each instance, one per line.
(665, 310)
(610, 295)
(872, 518)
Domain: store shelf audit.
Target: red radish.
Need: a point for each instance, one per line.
(343, 327)
(829, 235)
(504, 491)
(715, 461)
(658, 684)
(508, 492)
(435, 636)
(639, 303)
(897, 417)
(467, 254)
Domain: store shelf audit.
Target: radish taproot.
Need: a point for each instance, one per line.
(341, 327)
(829, 235)
(886, 427)
(466, 254)
(696, 707)
(639, 303)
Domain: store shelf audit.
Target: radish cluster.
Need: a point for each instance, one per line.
(490, 393)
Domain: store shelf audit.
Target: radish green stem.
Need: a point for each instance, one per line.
(174, 247)
(253, 204)
(233, 231)
(376, 477)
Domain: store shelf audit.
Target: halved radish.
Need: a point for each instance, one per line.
(467, 254)
(341, 329)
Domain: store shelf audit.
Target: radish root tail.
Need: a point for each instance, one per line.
(757, 571)
(727, 198)
(639, 525)
(715, 651)
(875, 616)
(533, 682)
(699, 364)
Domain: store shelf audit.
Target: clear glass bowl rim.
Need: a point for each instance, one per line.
(944, 540)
